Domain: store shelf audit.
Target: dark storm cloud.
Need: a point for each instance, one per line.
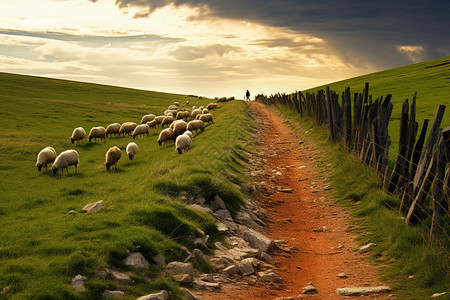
(359, 32)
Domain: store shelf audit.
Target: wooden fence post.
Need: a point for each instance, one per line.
(330, 116)
(437, 193)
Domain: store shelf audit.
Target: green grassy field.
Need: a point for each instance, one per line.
(42, 246)
(431, 81)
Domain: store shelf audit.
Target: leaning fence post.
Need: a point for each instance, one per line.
(330, 116)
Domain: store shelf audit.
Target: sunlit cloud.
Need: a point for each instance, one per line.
(414, 53)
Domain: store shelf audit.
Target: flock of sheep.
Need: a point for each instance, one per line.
(181, 125)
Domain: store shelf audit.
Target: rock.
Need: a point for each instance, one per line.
(78, 283)
(200, 241)
(120, 278)
(217, 203)
(93, 207)
(101, 274)
(221, 227)
(176, 267)
(201, 208)
(113, 294)
(189, 295)
(367, 248)
(224, 214)
(163, 295)
(246, 267)
(136, 260)
(196, 255)
(322, 229)
(231, 270)
(203, 285)
(278, 173)
(159, 260)
(362, 291)
(270, 276)
(72, 212)
(257, 240)
(200, 200)
(309, 289)
(342, 275)
(248, 188)
(184, 196)
(435, 295)
(266, 257)
(182, 278)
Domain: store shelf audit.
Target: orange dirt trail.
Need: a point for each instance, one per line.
(317, 257)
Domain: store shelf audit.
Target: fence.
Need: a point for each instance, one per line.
(418, 173)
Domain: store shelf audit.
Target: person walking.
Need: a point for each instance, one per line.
(247, 96)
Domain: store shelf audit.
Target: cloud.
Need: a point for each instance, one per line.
(198, 52)
(360, 32)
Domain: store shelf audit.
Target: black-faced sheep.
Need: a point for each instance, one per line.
(132, 149)
(78, 135)
(65, 160)
(97, 132)
(140, 130)
(113, 128)
(183, 142)
(112, 157)
(45, 157)
(166, 136)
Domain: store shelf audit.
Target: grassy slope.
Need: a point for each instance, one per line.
(430, 79)
(41, 245)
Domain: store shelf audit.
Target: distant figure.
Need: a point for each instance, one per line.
(247, 96)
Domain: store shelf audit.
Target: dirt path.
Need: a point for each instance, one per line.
(296, 216)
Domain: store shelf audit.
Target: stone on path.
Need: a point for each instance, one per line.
(78, 283)
(367, 248)
(203, 285)
(309, 289)
(257, 240)
(270, 276)
(113, 294)
(435, 295)
(163, 295)
(93, 207)
(176, 267)
(362, 291)
(136, 260)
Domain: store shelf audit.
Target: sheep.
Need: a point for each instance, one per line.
(182, 115)
(78, 134)
(211, 106)
(171, 111)
(173, 107)
(159, 119)
(140, 130)
(152, 124)
(97, 132)
(189, 133)
(205, 111)
(112, 157)
(195, 112)
(167, 120)
(147, 118)
(187, 102)
(113, 128)
(178, 127)
(166, 135)
(195, 125)
(132, 149)
(127, 128)
(183, 142)
(65, 160)
(230, 98)
(206, 118)
(46, 156)
(176, 104)
(222, 99)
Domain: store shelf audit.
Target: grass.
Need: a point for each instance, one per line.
(402, 251)
(42, 246)
(430, 79)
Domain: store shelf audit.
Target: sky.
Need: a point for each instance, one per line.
(219, 48)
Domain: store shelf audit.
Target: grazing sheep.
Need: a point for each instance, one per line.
(178, 127)
(152, 124)
(195, 112)
(211, 106)
(176, 104)
(167, 120)
(127, 128)
(183, 142)
(188, 133)
(97, 132)
(187, 102)
(147, 118)
(140, 130)
(78, 134)
(159, 119)
(230, 98)
(195, 125)
(112, 157)
(205, 111)
(173, 107)
(222, 99)
(166, 136)
(182, 115)
(46, 156)
(206, 118)
(132, 149)
(65, 160)
(113, 128)
(171, 111)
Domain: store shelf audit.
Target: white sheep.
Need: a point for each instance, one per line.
(176, 104)
(45, 157)
(141, 130)
(78, 134)
(206, 118)
(152, 124)
(171, 111)
(183, 142)
(65, 160)
(189, 133)
(211, 106)
(182, 115)
(127, 128)
(159, 119)
(178, 127)
(205, 111)
(167, 120)
(112, 157)
(147, 118)
(132, 149)
(195, 112)
(166, 136)
(113, 128)
(173, 107)
(97, 132)
(195, 125)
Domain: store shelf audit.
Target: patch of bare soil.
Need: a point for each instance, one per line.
(302, 212)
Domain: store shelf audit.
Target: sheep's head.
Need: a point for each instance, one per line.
(39, 166)
(130, 156)
(159, 142)
(108, 165)
(72, 140)
(55, 170)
